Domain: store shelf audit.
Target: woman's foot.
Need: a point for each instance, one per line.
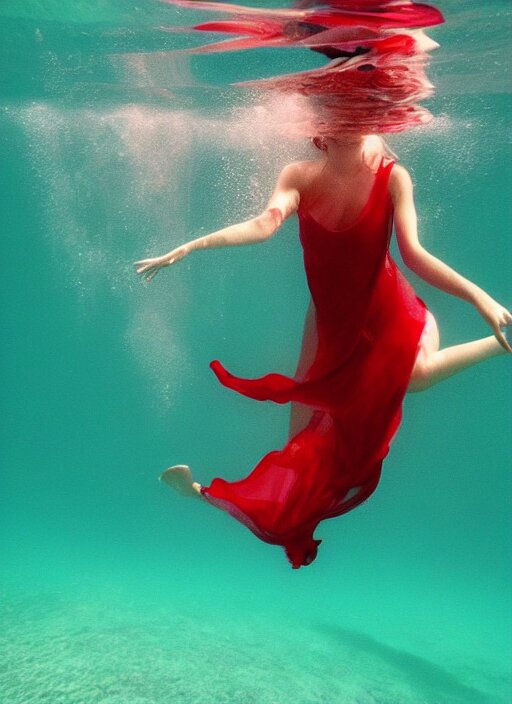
(179, 478)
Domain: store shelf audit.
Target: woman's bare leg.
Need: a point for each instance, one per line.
(179, 478)
(299, 413)
(434, 365)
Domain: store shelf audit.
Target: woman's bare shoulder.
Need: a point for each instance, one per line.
(299, 172)
(400, 174)
(399, 180)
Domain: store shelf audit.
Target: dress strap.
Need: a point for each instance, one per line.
(386, 163)
(384, 171)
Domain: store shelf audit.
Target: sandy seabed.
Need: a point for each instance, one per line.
(61, 649)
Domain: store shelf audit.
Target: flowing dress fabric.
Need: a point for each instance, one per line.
(368, 326)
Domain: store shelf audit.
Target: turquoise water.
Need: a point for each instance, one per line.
(114, 590)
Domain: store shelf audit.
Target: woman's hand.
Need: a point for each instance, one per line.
(149, 268)
(497, 316)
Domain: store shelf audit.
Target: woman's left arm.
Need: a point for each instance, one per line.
(432, 269)
(283, 202)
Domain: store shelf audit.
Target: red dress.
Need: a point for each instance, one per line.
(368, 325)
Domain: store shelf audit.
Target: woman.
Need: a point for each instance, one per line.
(368, 339)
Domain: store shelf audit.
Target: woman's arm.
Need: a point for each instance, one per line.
(283, 202)
(432, 269)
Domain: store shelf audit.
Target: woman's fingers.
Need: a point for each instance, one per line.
(149, 274)
(500, 336)
(503, 341)
(145, 269)
(504, 321)
(145, 263)
(148, 268)
(498, 318)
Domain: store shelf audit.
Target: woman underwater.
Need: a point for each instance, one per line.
(368, 339)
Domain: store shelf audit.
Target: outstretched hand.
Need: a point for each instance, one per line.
(149, 268)
(497, 317)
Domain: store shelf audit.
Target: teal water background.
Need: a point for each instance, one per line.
(116, 591)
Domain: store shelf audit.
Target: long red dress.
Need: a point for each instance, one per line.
(368, 325)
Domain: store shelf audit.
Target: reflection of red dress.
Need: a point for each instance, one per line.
(368, 323)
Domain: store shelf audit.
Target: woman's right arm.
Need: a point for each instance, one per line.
(284, 202)
(432, 269)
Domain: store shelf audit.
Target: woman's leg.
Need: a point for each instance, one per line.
(300, 414)
(433, 365)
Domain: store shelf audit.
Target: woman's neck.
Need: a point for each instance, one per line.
(345, 156)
